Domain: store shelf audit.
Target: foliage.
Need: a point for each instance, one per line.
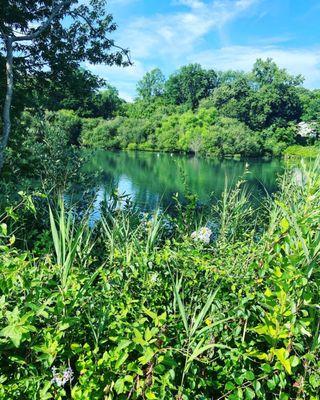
(189, 85)
(194, 110)
(44, 150)
(85, 35)
(218, 114)
(179, 131)
(151, 85)
(75, 90)
(310, 100)
(134, 308)
(302, 151)
(277, 139)
(266, 96)
(106, 103)
(100, 133)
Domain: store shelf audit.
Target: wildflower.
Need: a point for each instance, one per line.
(60, 379)
(154, 277)
(202, 235)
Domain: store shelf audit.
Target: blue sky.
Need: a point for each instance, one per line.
(219, 34)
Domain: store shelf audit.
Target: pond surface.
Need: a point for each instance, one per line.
(151, 179)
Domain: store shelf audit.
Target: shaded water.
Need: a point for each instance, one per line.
(151, 179)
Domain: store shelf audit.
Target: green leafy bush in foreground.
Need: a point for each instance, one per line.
(134, 308)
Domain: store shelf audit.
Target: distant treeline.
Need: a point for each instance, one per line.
(193, 110)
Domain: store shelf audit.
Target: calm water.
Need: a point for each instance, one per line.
(151, 179)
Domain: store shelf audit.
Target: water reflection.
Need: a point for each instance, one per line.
(152, 179)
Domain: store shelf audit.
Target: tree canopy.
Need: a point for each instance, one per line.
(190, 84)
(43, 39)
(151, 85)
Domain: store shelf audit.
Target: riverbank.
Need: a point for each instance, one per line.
(302, 152)
(220, 305)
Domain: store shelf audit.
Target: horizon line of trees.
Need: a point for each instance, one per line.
(195, 110)
(211, 112)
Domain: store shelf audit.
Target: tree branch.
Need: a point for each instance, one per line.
(55, 11)
(125, 51)
(2, 34)
(76, 14)
(93, 29)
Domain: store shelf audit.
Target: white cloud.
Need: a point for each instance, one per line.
(174, 39)
(176, 34)
(189, 3)
(297, 61)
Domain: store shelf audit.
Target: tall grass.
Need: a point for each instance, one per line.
(71, 239)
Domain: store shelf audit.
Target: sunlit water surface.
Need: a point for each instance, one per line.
(152, 179)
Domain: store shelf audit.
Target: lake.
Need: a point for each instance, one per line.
(151, 179)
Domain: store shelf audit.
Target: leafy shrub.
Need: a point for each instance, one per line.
(100, 133)
(302, 151)
(134, 308)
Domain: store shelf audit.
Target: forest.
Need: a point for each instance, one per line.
(103, 299)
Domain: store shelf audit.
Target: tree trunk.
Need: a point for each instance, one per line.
(8, 100)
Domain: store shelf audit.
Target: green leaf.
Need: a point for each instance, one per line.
(284, 224)
(249, 376)
(181, 308)
(119, 386)
(151, 396)
(12, 332)
(229, 386)
(121, 359)
(149, 353)
(3, 229)
(203, 313)
(249, 393)
(314, 381)
(17, 326)
(282, 355)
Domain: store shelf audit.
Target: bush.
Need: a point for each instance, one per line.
(230, 137)
(302, 151)
(134, 307)
(100, 133)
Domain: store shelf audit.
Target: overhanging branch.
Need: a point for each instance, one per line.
(54, 13)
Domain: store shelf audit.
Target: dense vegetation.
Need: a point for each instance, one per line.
(213, 113)
(153, 307)
(206, 301)
(194, 110)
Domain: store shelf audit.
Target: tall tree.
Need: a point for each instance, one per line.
(267, 95)
(53, 34)
(151, 85)
(74, 90)
(190, 84)
(106, 103)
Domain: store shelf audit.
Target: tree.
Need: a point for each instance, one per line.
(276, 95)
(151, 85)
(190, 84)
(310, 100)
(58, 34)
(106, 103)
(74, 90)
(266, 96)
(233, 98)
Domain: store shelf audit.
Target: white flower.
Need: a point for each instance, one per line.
(202, 235)
(61, 379)
(154, 277)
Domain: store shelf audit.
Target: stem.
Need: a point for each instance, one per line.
(8, 100)
(184, 370)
